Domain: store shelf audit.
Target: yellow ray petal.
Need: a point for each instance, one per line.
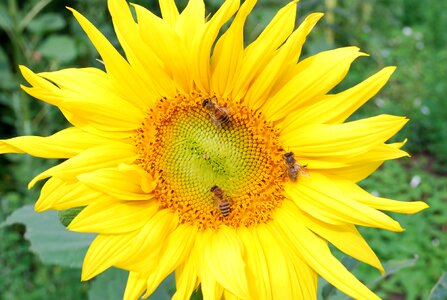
(287, 55)
(313, 77)
(146, 247)
(84, 94)
(59, 194)
(191, 22)
(204, 42)
(178, 247)
(361, 166)
(263, 48)
(185, 280)
(229, 271)
(256, 265)
(140, 56)
(358, 194)
(63, 144)
(303, 277)
(321, 198)
(278, 265)
(344, 237)
(135, 286)
(161, 38)
(336, 108)
(315, 252)
(228, 53)
(123, 182)
(169, 11)
(128, 84)
(104, 251)
(95, 158)
(344, 140)
(211, 290)
(107, 217)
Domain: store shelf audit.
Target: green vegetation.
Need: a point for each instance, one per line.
(43, 35)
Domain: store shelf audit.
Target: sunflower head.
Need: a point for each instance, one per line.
(177, 154)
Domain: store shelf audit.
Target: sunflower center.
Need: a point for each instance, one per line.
(192, 146)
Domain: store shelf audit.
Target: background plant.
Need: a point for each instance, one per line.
(408, 33)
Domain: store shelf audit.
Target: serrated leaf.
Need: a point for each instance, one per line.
(58, 47)
(46, 23)
(439, 291)
(49, 239)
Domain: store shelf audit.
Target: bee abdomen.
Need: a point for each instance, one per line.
(224, 208)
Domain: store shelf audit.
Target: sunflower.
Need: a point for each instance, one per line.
(231, 166)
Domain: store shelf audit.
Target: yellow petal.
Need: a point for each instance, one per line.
(140, 56)
(85, 97)
(59, 194)
(63, 144)
(322, 199)
(344, 140)
(169, 11)
(128, 85)
(136, 284)
(95, 158)
(185, 280)
(104, 251)
(286, 56)
(313, 77)
(146, 247)
(315, 252)
(228, 53)
(204, 42)
(277, 263)
(344, 237)
(107, 217)
(256, 265)
(263, 48)
(336, 108)
(160, 37)
(358, 194)
(123, 182)
(229, 271)
(178, 247)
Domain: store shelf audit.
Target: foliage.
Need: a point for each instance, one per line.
(43, 35)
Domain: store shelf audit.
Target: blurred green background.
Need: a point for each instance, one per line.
(410, 34)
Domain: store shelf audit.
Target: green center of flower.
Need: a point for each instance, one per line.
(190, 150)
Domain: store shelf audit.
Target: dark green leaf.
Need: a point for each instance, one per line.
(439, 291)
(66, 216)
(51, 241)
(5, 19)
(58, 47)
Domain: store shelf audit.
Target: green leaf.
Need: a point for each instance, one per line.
(49, 239)
(46, 23)
(66, 216)
(109, 285)
(439, 291)
(58, 47)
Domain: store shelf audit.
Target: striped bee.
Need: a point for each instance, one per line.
(293, 167)
(220, 201)
(219, 114)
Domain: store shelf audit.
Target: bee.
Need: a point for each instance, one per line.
(219, 114)
(220, 201)
(293, 167)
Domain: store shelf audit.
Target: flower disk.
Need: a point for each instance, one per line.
(189, 154)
